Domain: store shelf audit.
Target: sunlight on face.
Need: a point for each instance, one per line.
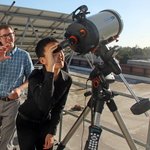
(7, 38)
(59, 59)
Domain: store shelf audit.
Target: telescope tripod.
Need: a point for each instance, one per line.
(101, 94)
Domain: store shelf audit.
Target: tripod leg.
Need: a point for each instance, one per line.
(62, 144)
(95, 129)
(113, 108)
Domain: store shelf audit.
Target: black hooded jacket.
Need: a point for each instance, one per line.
(46, 97)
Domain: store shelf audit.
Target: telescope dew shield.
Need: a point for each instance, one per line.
(109, 25)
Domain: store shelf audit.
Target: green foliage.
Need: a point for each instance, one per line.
(126, 53)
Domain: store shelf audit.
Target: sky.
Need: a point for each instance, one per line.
(135, 15)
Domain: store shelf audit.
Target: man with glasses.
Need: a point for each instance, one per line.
(15, 68)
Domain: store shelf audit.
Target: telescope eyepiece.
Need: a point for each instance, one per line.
(72, 40)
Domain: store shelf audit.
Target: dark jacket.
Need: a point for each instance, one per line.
(46, 97)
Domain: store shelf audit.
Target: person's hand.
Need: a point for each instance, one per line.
(49, 55)
(15, 94)
(3, 51)
(49, 141)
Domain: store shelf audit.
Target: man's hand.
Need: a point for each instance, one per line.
(49, 141)
(3, 51)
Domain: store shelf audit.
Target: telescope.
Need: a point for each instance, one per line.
(92, 34)
(85, 34)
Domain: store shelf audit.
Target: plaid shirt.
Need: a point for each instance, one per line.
(14, 71)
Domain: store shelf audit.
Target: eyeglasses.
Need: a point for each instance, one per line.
(7, 35)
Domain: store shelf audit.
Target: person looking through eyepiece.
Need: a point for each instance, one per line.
(48, 89)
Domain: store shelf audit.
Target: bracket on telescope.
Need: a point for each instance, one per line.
(80, 13)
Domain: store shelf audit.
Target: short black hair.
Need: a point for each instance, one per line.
(39, 50)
